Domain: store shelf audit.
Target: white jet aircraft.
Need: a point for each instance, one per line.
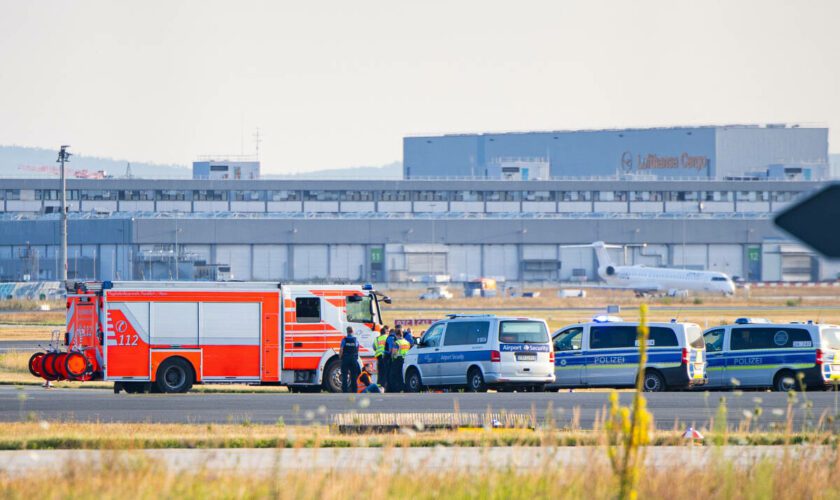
(646, 280)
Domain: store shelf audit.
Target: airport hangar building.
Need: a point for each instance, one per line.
(713, 152)
(398, 231)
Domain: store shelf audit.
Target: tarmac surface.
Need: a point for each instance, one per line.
(23, 345)
(438, 459)
(577, 409)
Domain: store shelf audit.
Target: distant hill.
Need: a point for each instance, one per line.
(20, 162)
(391, 171)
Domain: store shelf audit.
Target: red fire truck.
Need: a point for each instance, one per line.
(166, 336)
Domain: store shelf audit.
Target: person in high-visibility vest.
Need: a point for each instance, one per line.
(398, 352)
(382, 360)
(365, 383)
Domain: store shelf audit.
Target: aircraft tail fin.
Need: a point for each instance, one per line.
(601, 253)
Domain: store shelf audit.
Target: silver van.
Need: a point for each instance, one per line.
(757, 353)
(480, 352)
(605, 353)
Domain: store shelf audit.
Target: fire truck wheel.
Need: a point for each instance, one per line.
(175, 375)
(35, 364)
(332, 376)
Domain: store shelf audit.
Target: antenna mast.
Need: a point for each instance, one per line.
(63, 157)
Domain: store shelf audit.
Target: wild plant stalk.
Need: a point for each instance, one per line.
(629, 430)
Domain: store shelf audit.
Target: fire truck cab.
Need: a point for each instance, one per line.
(167, 336)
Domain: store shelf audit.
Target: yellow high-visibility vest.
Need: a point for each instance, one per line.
(403, 346)
(380, 345)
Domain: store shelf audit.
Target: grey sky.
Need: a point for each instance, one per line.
(334, 84)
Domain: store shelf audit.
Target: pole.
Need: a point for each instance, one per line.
(63, 156)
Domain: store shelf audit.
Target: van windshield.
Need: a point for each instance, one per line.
(695, 336)
(831, 338)
(523, 332)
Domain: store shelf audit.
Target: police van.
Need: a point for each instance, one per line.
(480, 352)
(758, 353)
(605, 353)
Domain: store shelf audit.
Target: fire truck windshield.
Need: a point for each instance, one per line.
(361, 311)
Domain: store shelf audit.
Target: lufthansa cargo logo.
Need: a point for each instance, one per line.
(627, 161)
(651, 161)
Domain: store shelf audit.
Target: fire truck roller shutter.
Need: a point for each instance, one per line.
(230, 339)
(175, 323)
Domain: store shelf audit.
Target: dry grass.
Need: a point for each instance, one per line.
(32, 434)
(131, 475)
(51, 318)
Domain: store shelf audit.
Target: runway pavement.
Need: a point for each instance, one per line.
(22, 345)
(567, 409)
(272, 461)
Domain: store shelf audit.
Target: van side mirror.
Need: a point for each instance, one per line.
(386, 299)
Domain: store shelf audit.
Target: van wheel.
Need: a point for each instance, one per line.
(413, 382)
(653, 382)
(332, 376)
(174, 375)
(785, 381)
(475, 381)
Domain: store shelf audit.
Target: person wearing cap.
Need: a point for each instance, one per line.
(365, 383)
(349, 355)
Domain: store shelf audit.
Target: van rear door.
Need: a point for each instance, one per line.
(524, 349)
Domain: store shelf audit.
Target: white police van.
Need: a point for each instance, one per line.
(481, 351)
(757, 353)
(605, 353)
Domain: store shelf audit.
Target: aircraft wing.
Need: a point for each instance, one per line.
(644, 287)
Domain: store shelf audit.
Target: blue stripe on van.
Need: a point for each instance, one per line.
(616, 357)
(760, 357)
(453, 357)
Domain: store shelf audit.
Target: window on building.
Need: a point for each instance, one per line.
(466, 195)
(284, 195)
(716, 195)
(308, 309)
(575, 195)
(172, 195)
(538, 196)
(210, 195)
(137, 195)
(47, 194)
(501, 195)
(356, 196)
(248, 195)
(431, 196)
(395, 195)
(99, 194)
(321, 195)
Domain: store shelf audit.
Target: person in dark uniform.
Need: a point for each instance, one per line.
(349, 354)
